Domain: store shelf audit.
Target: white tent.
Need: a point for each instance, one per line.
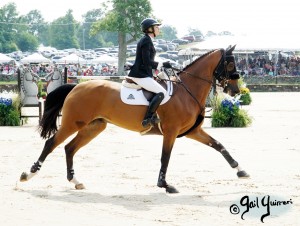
(5, 59)
(246, 43)
(72, 59)
(35, 58)
(105, 59)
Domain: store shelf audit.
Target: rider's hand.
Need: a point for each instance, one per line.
(167, 64)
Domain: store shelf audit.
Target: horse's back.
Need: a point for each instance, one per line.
(87, 98)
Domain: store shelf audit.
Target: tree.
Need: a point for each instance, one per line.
(8, 17)
(193, 31)
(63, 32)
(36, 25)
(168, 32)
(125, 18)
(101, 39)
(27, 42)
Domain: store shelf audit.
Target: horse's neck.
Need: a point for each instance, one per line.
(197, 86)
(199, 77)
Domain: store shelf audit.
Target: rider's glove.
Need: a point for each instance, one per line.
(167, 64)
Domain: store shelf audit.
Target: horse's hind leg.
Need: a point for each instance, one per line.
(83, 137)
(206, 139)
(62, 134)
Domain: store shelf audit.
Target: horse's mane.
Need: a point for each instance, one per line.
(200, 57)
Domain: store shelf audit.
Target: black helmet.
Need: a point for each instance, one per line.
(146, 23)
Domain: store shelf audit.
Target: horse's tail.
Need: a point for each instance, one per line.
(54, 103)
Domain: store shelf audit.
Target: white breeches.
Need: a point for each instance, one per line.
(149, 84)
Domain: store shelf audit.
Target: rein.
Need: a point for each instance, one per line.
(217, 76)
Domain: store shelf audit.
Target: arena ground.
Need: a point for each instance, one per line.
(120, 168)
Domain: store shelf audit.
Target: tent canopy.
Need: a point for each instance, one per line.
(72, 59)
(5, 59)
(250, 43)
(105, 59)
(35, 58)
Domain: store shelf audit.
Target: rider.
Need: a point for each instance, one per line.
(141, 71)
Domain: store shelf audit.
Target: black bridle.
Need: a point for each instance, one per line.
(226, 69)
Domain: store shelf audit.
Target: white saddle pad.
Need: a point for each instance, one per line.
(134, 96)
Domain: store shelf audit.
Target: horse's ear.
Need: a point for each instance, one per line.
(230, 49)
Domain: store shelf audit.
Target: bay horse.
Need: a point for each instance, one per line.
(88, 107)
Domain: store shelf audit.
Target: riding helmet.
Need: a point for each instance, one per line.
(148, 22)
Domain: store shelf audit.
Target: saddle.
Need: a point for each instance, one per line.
(128, 82)
(134, 94)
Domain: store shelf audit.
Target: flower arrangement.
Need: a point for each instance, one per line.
(41, 93)
(245, 98)
(227, 112)
(9, 111)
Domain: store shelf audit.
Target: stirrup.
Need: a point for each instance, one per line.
(155, 119)
(146, 122)
(150, 121)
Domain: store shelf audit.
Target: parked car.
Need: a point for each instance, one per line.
(163, 46)
(190, 38)
(180, 41)
(161, 41)
(169, 56)
(55, 58)
(130, 52)
(175, 52)
(102, 50)
(158, 49)
(199, 38)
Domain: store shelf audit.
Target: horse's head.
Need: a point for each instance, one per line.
(226, 72)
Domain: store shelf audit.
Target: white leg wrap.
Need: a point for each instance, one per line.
(238, 168)
(74, 181)
(31, 175)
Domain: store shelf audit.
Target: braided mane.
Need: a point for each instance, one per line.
(193, 62)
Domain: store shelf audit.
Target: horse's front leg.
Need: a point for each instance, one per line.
(206, 139)
(168, 143)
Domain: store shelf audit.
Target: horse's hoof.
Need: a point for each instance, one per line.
(23, 177)
(243, 174)
(79, 186)
(172, 190)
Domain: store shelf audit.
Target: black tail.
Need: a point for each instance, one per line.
(53, 105)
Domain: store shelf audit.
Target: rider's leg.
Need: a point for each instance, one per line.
(151, 85)
(153, 105)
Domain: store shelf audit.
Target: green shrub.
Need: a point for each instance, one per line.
(10, 111)
(227, 113)
(245, 98)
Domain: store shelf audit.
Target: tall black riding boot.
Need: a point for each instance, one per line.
(153, 105)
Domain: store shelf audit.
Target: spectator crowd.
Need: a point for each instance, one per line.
(263, 65)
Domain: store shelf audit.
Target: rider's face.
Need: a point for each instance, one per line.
(156, 30)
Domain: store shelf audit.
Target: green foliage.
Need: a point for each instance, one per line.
(168, 33)
(41, 92)
(245, 98)
(10, 114)
(64, 37)
(227, 113)
(27, 42)
(124, 17)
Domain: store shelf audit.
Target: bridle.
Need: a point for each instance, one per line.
(221, 72)
(224, 71)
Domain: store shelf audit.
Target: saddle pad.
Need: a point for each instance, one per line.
(136, 97)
